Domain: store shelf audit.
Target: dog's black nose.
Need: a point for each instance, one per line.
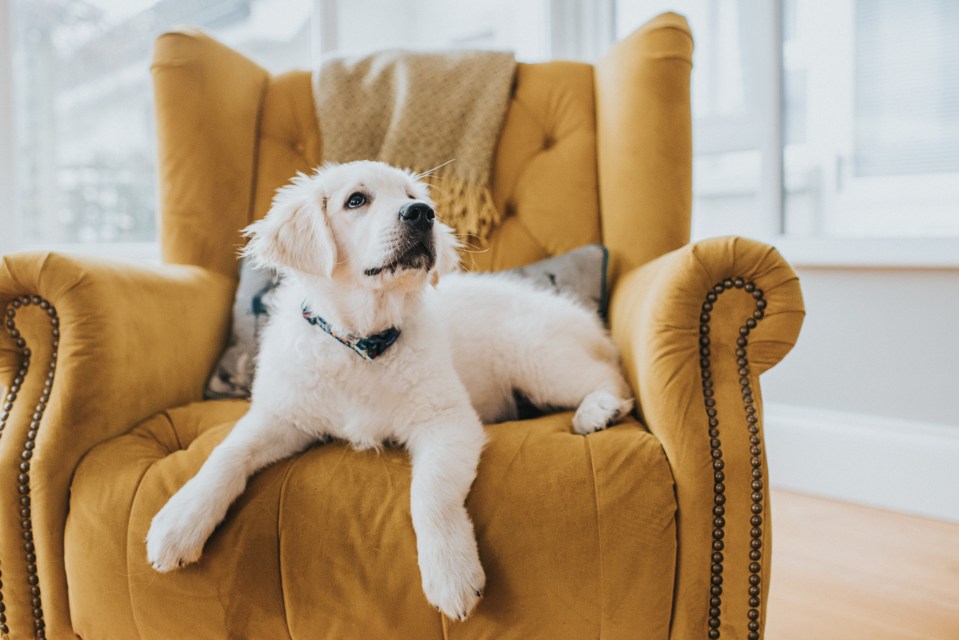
(418, 214)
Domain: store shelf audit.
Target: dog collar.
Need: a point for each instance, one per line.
(368, 348)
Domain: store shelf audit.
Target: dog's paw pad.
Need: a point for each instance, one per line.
(598, 411)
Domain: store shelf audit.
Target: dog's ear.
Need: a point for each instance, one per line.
(447, 253)
(295, 233)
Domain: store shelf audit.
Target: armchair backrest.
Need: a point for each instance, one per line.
(587, 153)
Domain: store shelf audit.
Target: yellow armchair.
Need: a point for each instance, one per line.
(655, 528)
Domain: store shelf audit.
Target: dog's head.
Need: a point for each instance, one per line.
(363, 223)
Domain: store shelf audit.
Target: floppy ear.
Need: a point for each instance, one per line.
(447, 253)
(296, 233)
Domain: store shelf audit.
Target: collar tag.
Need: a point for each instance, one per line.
(368, 348)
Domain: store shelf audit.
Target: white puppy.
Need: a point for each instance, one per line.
(358, 247)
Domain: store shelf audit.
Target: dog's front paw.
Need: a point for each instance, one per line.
(176, 536)
(598, 411)
(453, 582)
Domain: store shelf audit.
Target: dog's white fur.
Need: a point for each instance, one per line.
(464, 348)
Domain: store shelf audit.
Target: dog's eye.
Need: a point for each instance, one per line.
(355, 201)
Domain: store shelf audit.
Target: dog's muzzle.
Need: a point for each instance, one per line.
(415, 248)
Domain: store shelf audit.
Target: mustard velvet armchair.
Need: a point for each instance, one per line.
(656, 528)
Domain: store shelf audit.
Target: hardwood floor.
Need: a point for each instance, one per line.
(847, 572)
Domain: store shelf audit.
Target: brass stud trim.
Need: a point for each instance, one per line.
(714, 613)
(29, 446)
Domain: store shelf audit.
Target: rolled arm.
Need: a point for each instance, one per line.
(89, 348)
(696, 327)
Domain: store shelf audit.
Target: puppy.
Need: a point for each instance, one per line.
(360, 347)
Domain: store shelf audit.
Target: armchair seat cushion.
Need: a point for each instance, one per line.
(577, 536)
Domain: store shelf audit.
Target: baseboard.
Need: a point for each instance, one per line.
(881, 462)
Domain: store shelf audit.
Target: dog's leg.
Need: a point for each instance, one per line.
(445, 455)
(181, 528)
(594, 387)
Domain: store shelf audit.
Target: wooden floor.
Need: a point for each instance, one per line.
(847, 572)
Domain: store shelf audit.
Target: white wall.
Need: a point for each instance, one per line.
(883, 343)
(864, 409)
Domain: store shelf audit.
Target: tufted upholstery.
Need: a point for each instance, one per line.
(651, 529)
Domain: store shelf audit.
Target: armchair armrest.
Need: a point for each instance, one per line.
(88, 349)
(696, 327)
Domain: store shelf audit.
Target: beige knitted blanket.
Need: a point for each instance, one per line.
(421, 111)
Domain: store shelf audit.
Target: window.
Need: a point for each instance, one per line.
(831, 124)
(872, 118)
(84, 155)
(818, 123)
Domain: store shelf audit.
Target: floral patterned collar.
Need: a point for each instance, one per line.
(368, 348)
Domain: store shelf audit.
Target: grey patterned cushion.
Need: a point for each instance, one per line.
(233, 375)
(580, 273)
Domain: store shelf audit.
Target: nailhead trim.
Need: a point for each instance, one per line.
(716, 452)
(23, 480)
